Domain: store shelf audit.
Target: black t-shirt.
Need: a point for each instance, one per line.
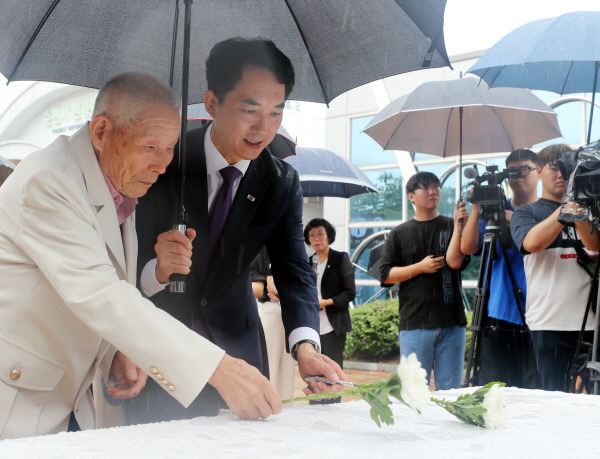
(427, 300)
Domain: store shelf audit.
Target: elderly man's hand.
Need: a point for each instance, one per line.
(173, 253)
(247, 393)
(311, 363)
(131, 379)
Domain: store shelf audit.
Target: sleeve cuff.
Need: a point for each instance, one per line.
(148, 283)
(304, 334)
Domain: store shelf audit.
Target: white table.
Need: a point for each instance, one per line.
(540, 425)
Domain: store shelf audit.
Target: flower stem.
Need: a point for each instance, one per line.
(323, 395)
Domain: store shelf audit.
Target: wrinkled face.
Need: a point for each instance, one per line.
(526, 185)
(134, 156)
(426, 196)
(318, 239)
(247, 118)
(552, 182)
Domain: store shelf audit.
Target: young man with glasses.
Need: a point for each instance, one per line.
(557, 287)
(506, 353)
(423, 255)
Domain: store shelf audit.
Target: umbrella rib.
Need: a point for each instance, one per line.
(33, 37)
(312, 61)
(174, 43)
(448, 129)
(562, 89)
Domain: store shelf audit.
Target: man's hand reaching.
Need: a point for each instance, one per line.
(131, 379)
(247, 393)
(311, 363)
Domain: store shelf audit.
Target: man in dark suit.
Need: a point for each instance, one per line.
(248, 83)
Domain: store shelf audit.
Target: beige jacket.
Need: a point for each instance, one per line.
(66, 299)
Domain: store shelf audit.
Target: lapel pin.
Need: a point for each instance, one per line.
(250, 198)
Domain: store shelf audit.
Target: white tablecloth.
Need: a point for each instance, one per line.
(540, 424)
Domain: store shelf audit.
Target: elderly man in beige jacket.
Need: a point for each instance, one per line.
(67, 262)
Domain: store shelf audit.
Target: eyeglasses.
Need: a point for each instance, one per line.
(431, 186)
(318, 235)
(525, 170)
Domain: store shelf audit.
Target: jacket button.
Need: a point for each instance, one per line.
(171, 388)
(153, 370)
(164, 382)
(159, 377)
(203, 302)
(15, 374)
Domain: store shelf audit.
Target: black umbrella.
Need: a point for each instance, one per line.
(334, 45)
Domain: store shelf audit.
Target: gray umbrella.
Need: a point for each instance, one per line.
(324, 173)
(456, 117)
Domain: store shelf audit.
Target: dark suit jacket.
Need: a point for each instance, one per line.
(338, 284)
(267, 210)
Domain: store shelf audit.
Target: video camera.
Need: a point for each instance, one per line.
(491, 194)
(491, 198)
(581, 170)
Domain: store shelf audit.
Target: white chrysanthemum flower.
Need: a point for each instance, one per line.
(493, 402)
(413, 377)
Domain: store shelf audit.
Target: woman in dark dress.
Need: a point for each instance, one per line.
(335, 285)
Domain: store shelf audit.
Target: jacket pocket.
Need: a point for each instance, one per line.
(27, 379)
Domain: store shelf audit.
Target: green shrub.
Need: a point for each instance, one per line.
(374, 334)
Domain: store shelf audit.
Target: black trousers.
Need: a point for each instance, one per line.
(554, 351)
(333, 347)
(507, 356)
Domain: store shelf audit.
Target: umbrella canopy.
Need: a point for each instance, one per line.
(560, 54)
(324, 173)
(428, 120)
(334, 45)
(281, 146)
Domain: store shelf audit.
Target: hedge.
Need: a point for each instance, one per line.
(374, 334)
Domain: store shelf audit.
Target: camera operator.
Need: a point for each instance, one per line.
(506, 353)
(557, 287)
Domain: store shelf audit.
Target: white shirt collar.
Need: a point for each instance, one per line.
(214, 159)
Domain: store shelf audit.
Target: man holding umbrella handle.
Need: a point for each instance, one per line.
(239, 199)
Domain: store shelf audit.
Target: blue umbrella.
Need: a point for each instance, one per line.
(559, 54)
(324, 173)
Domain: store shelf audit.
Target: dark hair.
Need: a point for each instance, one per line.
(421, 179)
(522, 154)
(551, 153)
(315, 223)
(229, 58)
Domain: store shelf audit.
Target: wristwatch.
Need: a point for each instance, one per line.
(294, 350)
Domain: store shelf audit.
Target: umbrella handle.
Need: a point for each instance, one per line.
(177, 281)
(460, 220)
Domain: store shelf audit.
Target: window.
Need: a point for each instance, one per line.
(364, 150)
(383, 206)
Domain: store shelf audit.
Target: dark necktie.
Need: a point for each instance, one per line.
(221, 206)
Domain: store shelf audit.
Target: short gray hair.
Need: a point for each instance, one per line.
(124, 95)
